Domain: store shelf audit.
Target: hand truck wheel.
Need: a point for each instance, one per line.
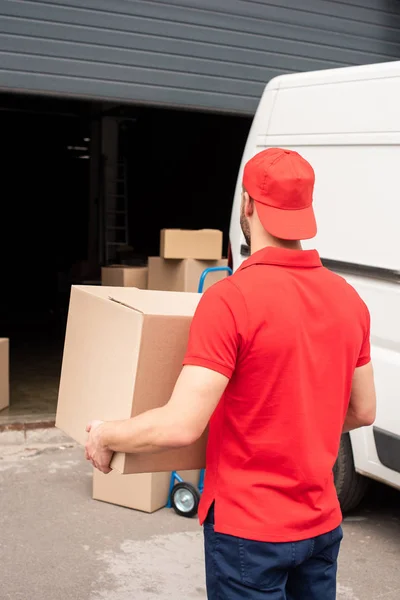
(185, 499)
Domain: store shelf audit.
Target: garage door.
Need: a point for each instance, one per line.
(206, 54)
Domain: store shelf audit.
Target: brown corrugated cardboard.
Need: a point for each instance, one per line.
(147, 492)
(4, 374)
(203, 244)
(182, 275)
(124, 276)
(123, 353)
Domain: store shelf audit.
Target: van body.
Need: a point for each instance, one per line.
(346, 123)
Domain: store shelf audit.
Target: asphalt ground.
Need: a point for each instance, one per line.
(57, 543)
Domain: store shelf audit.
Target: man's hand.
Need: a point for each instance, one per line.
(98, 454)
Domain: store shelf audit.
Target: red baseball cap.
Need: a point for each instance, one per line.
(281, 182)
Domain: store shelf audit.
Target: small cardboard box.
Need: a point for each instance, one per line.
(4, 373)
(203, 244)
(183, 275)
(123, 353)
(147, 492)
(124, 276)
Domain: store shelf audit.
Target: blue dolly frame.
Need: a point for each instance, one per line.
(188, 504)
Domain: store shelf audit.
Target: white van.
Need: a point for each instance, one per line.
(346, 123)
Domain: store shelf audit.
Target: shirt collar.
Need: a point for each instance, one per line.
(282, 257)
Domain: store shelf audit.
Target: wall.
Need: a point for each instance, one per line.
(217, 57)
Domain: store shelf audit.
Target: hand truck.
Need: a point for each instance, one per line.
(184, 497)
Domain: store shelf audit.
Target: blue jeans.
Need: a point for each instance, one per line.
(242, 569)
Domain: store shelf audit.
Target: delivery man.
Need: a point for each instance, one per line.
(278, 363)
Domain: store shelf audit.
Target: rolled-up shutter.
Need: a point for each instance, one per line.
(205, 54)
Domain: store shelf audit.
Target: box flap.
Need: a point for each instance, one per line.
(147, 301)
(152, 302)
(118, 462)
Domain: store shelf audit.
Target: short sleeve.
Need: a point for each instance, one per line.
(365, 352)
(216, 330)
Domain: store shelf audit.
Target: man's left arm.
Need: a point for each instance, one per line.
(179, 423)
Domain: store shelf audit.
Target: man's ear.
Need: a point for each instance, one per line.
(248, 204)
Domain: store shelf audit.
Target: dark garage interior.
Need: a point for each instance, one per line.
(181, 169)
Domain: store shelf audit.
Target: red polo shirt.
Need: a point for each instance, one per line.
(288, 334)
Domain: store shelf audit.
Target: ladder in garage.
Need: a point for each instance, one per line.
(116, 213)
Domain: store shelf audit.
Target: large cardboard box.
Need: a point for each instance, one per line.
(147, 492)
(204, 244)
(123, 353)
(183, 275)
(4, 373)
(124, 276)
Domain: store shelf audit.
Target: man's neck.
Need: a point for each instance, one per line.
(269, 241)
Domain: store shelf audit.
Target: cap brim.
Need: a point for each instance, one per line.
(288, 224)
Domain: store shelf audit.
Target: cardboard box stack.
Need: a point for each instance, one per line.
(4, 374)
(123, 353)
(184, 255)
(147, 492)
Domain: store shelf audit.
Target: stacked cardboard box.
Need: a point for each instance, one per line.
(203, 244)
(147, 492)
(123, 353)
(184, 255)
(124, 276)
(4, 374)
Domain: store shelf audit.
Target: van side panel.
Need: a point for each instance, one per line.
(346, 122)
(350, 133)
(383, 301)
(361, 106)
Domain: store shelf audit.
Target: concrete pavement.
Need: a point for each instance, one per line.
(58, 544)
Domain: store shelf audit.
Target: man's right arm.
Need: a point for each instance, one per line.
(362, 407)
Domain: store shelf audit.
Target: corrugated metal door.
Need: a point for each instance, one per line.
(206, 54)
